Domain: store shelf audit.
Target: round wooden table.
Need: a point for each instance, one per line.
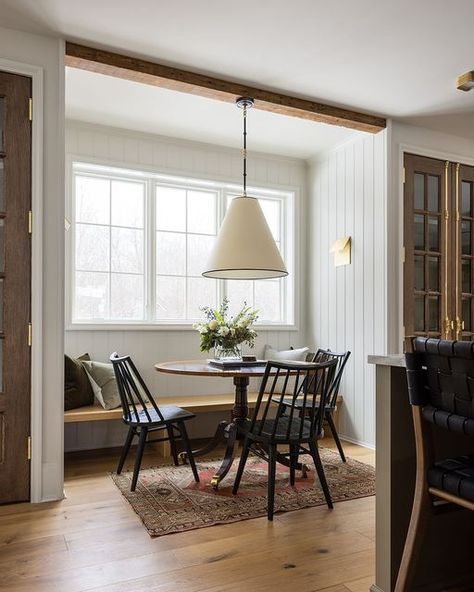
(226, 430)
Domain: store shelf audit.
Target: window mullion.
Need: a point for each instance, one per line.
(150, 280)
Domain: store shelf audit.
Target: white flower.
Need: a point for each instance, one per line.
(213, 325)
(203, 330)
(224, 331)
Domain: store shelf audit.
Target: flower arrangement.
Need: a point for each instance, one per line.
(227, 334)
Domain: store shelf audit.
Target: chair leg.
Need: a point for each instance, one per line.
(422, 509)
(293, 462)
(174, 452)
(242, 462)
(271, 480)
(125, 449)
(138, 457)
(189, 450)
(320, 470)
(335, 435)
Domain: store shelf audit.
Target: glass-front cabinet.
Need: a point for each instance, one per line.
(438, 248)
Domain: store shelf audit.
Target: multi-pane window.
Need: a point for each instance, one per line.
(140, 242)
(109, 258)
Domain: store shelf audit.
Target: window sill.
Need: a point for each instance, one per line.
(159, 327)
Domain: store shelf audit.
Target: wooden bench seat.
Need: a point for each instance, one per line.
(195, 403)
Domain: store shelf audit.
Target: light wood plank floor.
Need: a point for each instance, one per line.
(94, 541)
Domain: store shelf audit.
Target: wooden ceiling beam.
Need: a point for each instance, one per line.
(146, 72)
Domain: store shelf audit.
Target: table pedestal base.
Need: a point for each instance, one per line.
(227, 433)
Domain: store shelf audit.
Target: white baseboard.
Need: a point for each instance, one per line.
(359, 442)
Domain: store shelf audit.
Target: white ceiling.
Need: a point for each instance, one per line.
(398, 58)
(120, 103)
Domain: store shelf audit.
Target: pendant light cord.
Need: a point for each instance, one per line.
(244, 151)
(244, 103)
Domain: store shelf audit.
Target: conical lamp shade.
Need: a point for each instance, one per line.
(245, 248)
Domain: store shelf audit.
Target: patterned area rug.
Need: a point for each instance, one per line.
(168, 500)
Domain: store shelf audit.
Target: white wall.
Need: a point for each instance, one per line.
(47, 53)
(347, 308)
(171, 156)
(426, 142)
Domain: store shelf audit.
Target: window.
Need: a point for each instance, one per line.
(139, 242)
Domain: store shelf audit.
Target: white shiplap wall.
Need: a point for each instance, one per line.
(347, 305)
(177, 157)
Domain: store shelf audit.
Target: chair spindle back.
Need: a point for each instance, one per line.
(132, 390)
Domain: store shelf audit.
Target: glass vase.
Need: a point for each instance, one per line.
(228, 352)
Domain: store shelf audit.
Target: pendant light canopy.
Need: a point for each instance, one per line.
(245, 248)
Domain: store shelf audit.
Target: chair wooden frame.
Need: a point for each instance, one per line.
(424, 495)
(323, 355)
(264, 432)
(142, 419)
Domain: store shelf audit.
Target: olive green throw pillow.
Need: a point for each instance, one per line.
(77, 387)
(104, 384)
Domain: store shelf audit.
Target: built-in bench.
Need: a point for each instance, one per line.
(196, 404)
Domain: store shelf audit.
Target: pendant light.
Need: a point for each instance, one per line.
(245, 248)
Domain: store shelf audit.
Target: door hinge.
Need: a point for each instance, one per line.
(403, 254)
(30, 334)
(403, 175)
(30, 222)
(28, 447)
(30, 109)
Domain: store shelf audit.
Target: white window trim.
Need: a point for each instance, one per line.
(291, 224)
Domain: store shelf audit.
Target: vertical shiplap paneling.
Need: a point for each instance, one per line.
(369, 284)
(170, 156)
(348, 194)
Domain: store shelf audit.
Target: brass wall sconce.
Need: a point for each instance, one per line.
(342, 249)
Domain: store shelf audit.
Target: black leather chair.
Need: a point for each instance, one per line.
(441, 388)
(268, 429)
(323, 355)
(142, 419)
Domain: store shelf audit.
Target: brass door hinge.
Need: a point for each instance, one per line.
(28, 447)
(30, 222)
(30, 335)
(403, 175)
(403, 254)
(30, 109)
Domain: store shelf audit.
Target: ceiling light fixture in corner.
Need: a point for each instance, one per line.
(465, 81)
(245, 248)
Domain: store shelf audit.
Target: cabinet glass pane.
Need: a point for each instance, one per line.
(2, 124)
(466, 276)
(419, 197)
(433, 273)
(2, 185)
(466, 313)
(433, 193)
(419, 272)
(433, 234)
(433, 304)
(419, 313)
(419, 232)
(466, 237)
(466, 189)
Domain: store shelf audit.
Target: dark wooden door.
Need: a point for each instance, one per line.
(428, 249)
(15, 282)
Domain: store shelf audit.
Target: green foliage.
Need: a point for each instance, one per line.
(220, 331)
